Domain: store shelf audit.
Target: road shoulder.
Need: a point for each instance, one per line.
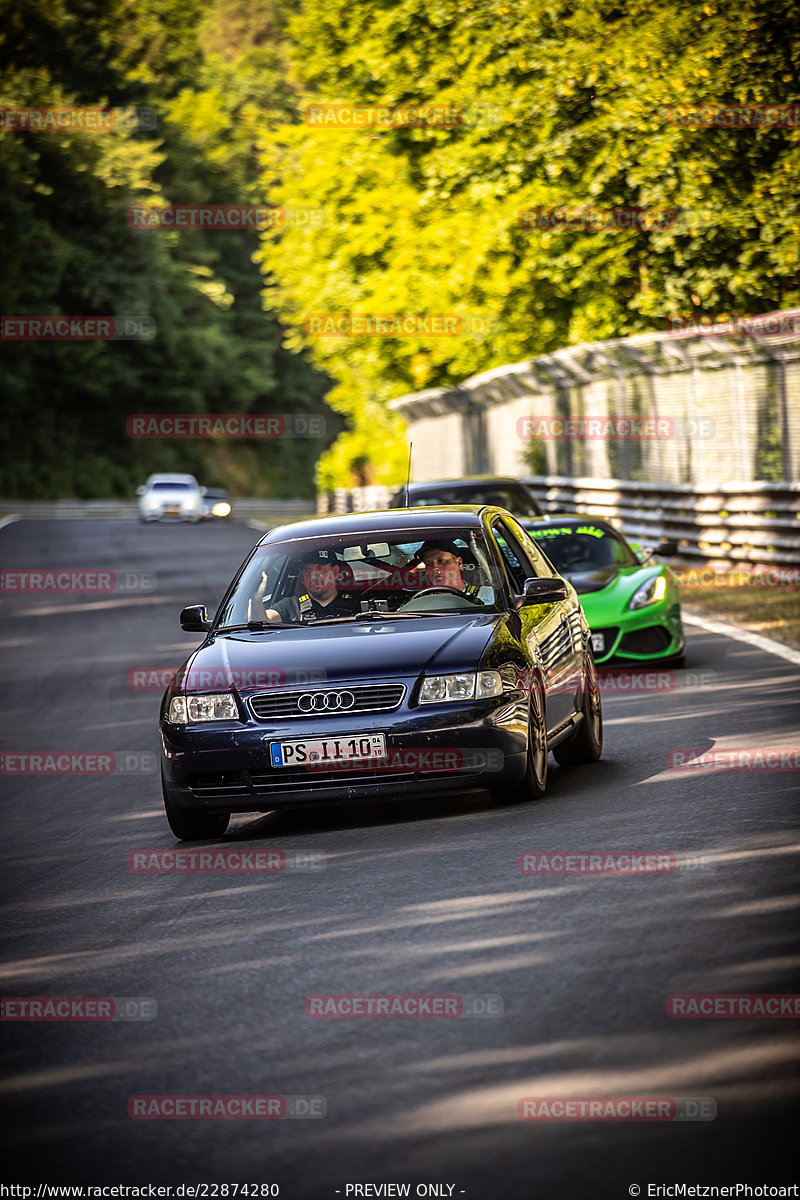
(740, 633)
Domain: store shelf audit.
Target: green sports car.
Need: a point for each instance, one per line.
(630, 599)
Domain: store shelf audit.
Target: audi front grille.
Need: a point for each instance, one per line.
(316, 702)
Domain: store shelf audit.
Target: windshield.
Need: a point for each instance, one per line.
(171, 487)
(339, 578)
(573, 549)
(516, 500)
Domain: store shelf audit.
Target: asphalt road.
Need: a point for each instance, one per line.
(422, 897)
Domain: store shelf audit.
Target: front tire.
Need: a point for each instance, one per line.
(534, 781)
(189, 826)
(587, 744)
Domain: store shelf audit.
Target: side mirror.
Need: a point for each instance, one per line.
(194, 619)
(643, 555)
(140, 491)
(668, 548)
(541, 591)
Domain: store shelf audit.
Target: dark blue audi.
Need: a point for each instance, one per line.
(377, 655)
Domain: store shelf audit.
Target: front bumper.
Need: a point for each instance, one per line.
(173, 512)
(652, 634)
(226, 767)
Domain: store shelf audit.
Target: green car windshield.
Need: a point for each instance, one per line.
(585, 547)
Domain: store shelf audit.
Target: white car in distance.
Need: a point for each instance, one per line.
(176, 497)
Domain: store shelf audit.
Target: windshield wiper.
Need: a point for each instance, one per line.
(252, 627)
(371, 614)
(379, 613)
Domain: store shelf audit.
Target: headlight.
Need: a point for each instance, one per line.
(649, 593)
(437, 689)
(184, 710)
(221, 509)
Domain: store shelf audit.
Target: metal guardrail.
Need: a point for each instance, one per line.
(359, 499)
(743, 522)
(276, 511)
(747, 522)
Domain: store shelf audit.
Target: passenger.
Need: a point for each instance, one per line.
(320, 597)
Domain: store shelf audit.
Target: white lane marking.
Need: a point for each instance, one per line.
(9, 520)
(738, 634)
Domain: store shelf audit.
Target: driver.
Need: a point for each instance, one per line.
(443, 562)
(320, 596)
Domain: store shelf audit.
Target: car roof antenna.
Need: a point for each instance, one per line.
(408, 476)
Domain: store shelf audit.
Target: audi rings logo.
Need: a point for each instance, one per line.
(325, 701)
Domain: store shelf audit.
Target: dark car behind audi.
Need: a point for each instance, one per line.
(416, 685)
(496, 490)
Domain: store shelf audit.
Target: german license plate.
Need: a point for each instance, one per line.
(598, 643)
(317, 752)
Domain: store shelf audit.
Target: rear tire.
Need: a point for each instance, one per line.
(189, 826)
(586, 745)
(534, 781)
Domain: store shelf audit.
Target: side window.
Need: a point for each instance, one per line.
(540, 563)
(514, 557)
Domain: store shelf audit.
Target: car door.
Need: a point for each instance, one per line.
(546, 627)
(573, 615)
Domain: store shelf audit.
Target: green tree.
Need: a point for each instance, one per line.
(563, 105)
(71, 251)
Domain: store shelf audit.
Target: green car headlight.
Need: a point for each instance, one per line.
(651, 592)
(186, 710)
(480, 685)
